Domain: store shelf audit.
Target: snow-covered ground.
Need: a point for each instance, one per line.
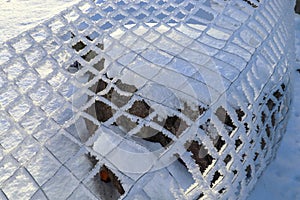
(17, 16)
(281, 180)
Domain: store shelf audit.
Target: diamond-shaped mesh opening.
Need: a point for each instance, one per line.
(43, 173)
(104, 111)
(140, 109)
(248, 172)
(26, 151)
(63, 56)
(125, 123)
(225, 118)
(107, 176)
(126, 87)
(82, 164)
(152, 135)
(58, 80)
(22, 44)
(240, 114)
(246, 127)
(219, 143)
(5, 55)
(79, 46)
(89, 55)
(7, 96)
(82, 129)
(65, 116)
(277, 94)
(216, 177)
(21, 185)
(180, 168)
(56, 25)
(67, 35)
(8, 165)
(243, 157)
(200, 154)
(39, 95)
(212, 132)
(263, 117)
(39, 34)
(105, 184)
(52, 188)
(62, 147)
(175, 125)
(26, 82)
(46, 68)
(273, 119)
(34, 55)
(51, 45)
(268, 131)
(191, 113)
(256, 156)
(32, 120)
(10, 139)
(121, 100)
(227, 159)
(238, 143)
(19, 109)
(47, 130)
(14, 70)
(262, 144)
(270, 104)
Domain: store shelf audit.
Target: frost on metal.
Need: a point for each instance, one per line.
(145, 100)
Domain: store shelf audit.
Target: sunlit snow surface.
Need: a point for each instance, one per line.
(281, 180)
(17, 16)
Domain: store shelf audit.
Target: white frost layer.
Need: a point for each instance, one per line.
(271, 183)
(17, 16)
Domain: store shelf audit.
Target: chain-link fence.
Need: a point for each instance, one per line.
(145, 100)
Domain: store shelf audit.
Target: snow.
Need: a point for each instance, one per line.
(61, 185)
(281, 180)
(21, 186)
(17, 16)
(48, 166)
(62, 147)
